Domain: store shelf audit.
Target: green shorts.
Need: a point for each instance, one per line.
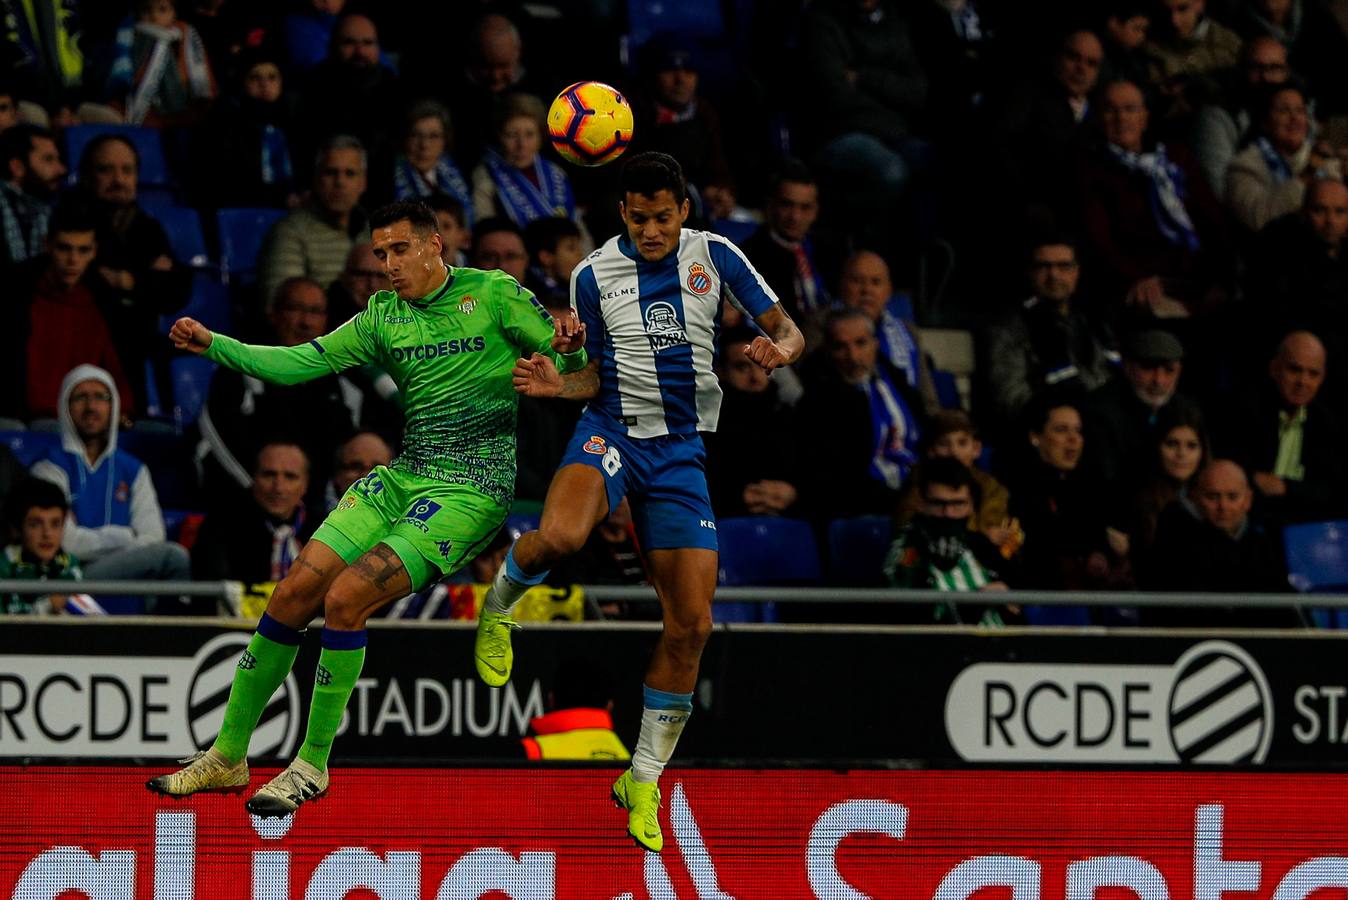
(435, 527)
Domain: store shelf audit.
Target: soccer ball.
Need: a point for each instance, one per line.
(590, 123)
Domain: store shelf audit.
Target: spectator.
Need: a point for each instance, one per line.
(1060, 508)
(1298, 271)
(863, 87)
(241, 412)
(1219, 128)
(9, 107)
(1124, 36)
(937, 550)
(579, 721)
(1290, 440)
(314, 240)
(952, 435)
(32, 178)
(752, 462)
(35, 512)
(498, 244)
(1268, 178)
(160, 73)
(355, 458)
(1121, 415)
(1050, 343)
(116, 527)
(350, 92)
(782, 249)
(867, 419)
(514, 180)
(1314, 40)
(308, 32)
(60, 326)
(257, 540)
(673, 119)
(554, 251)
(1152, 225)
(1188, 54)
(225, 30)
(957, 44)
(1207, 541)
(493, 67)
(242, 152)
(866, 286)
(134, 260)
(43, 56)
(451, 218)
(425, 166)
(362, 277)
(1179, 451)
(1039, 125)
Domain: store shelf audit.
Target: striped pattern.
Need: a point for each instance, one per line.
(1218, 713)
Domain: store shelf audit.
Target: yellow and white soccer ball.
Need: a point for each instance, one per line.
(590, 123)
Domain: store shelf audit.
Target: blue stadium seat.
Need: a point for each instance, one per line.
(1057, 615)
(690, 19)
(241, 233)
(208, 304)
(153, 164)
(857, 548)
(1317, 560)
(166, 455)
(191, 386)
(520, 522)
(947, 389)
(737, 232)
(29, 446)
(183, 226)
(154, 199)
(765, 550)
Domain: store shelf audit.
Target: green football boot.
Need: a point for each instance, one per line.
(491, 649)
(642, 802)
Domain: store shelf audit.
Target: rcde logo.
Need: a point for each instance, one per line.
(1213, 706)
(213, 674)
(1220, 709)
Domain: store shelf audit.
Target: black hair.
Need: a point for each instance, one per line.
(414, 211)
(1051, 238)
(649, 173)
(792, 171)
(546, 233)
(439, 201)
(1037, 411)
(72, 213)
(281, 439)
(17, 143)
(945, 471)
(32, 493)
(1123, 10)
(581, 683)
(1266, 94)
(492, 225)
(91, 150)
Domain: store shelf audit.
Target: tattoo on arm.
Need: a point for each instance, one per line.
(379, 566)
(321, 573)
(783, 331)
(582, 385)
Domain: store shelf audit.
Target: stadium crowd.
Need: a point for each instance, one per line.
(1074, 283)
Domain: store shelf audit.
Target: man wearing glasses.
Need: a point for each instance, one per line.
(1049, 342)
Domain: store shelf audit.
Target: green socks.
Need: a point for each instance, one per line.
(260, 671)
(339, 666)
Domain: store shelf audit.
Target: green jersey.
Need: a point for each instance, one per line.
(450, 354)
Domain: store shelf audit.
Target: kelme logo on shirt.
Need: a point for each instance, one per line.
(444, 348)
(663, 328)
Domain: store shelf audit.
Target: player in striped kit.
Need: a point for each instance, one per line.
(650, 302)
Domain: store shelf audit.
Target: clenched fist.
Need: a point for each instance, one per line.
(189, 334)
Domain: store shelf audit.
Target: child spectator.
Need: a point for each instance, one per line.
(938, 550)
(36, 514)
(554, 247)
(954, 435)
(160, 74)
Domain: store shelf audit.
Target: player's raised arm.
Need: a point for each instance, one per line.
(349, 345)
(783, 344)
(534, 330)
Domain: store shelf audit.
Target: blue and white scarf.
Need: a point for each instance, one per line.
(285, 545)
(409, 184)
(1167, 193)
(1277, 166)
(894, 429)
(898, 345)
(144, 87)
(276, 167)
(521, 199)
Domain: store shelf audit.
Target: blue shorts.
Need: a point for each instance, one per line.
(664, 477)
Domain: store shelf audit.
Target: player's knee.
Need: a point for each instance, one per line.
(685, 636)
(343, 610)
(557, 543)
(288, 604)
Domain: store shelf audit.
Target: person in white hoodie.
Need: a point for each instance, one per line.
(115, 525)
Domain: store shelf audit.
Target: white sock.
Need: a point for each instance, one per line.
(509, 585)
(662, 722)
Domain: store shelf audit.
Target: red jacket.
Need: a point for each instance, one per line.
(66, 329)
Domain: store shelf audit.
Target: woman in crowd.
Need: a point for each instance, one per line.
(425, 165)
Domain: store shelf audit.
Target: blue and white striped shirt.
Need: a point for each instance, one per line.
(653, 326)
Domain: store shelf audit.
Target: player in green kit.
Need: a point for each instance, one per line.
(449, 338)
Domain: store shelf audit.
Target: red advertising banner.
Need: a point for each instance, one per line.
(73, 833)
